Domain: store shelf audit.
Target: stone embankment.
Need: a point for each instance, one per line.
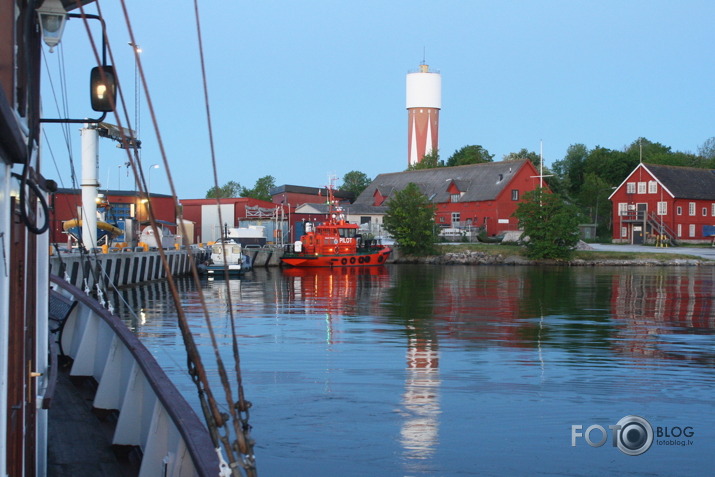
(481, 258)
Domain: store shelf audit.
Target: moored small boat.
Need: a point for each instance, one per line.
(226, 255)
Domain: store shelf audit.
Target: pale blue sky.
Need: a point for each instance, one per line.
(304, 90)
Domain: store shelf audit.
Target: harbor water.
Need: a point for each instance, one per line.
(423, 370)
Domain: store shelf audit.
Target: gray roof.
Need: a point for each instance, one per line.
(685, 182)
(477, 182)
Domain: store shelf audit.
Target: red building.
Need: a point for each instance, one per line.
(476, 195)
(656, 201)
(123, 205)
(234, 212)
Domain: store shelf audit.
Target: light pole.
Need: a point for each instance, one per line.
(137, 91)
(148, 189)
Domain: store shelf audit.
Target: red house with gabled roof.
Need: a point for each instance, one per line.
(475, 195)
(656, 201)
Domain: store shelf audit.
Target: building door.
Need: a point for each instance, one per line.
(637, 235)
(642, 211)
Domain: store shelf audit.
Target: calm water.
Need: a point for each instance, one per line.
(445, 371)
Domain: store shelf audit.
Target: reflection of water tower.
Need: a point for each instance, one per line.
(424, 100)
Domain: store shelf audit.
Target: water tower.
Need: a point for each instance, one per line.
(424, 100)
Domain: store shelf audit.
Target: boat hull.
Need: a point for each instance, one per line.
(371, 258)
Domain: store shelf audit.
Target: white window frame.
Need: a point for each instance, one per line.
(454, 197)
(624, 232)
(679, 210)
(630, 187)
(642, 187)
(712, 209)
(662, 208)
(705, 211)
(622, 208)
(456, 218)
(515, 194)
(680, 230)
(691, 208)
(691, 230)
(652, 187)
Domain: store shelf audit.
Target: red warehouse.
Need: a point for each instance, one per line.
(477, 195)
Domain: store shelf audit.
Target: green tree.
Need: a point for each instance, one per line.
(261, 190)
(523, 154)
(228, 190)
(707, 149)
(570, 170)
(410, 221)
(355, 182)
(550, 223)
(594, 198)
(469, 155)
(429, 161)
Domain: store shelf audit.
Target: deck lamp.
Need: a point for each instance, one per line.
(103, 88)
(52, 16)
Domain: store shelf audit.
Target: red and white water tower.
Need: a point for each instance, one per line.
(424, 100)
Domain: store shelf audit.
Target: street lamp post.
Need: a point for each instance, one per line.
(148, 190)
(137, 92)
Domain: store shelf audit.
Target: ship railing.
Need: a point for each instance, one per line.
(151, 413)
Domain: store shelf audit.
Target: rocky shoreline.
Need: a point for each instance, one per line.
(481, 258)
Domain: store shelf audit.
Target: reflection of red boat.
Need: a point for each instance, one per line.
(335, 243)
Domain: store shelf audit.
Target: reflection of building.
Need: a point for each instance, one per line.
(662, 303)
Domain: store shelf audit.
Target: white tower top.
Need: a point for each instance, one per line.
(424, 89)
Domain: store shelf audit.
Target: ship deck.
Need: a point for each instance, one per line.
(79, 442)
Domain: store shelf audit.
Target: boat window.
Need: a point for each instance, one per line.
(347, 233)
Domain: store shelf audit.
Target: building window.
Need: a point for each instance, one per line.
(641, 187)
(705, 211)
(631, 188)
(679, 210)
(441, 219)
(712, 212)
(691, 208)
(454, 197)
(515, 194)
(652, 187)
(680, 230)
(622, 208)
(691, 230)
(662, 208)
(455, 218)
(624, 231)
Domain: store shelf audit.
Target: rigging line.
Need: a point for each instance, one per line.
(132, 160)
(242, 430)
(60, 112)
(198, 371)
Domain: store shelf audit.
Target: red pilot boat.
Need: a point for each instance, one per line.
(335, 243)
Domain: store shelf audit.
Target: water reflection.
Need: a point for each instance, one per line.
(431, 370)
